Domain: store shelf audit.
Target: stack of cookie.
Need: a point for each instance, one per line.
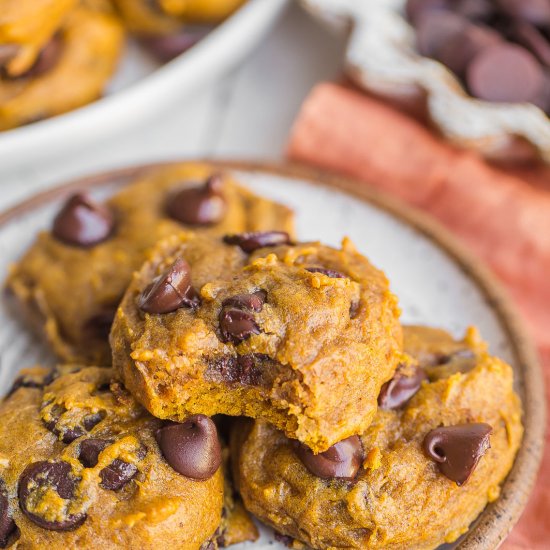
(199, 339)
(57, 55)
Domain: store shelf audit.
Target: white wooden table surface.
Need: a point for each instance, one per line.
(246, 114)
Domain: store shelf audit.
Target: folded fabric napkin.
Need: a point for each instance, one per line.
(502, 215)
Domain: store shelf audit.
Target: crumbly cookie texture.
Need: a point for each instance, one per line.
(83, 465)
(300, 335)
(417, 477)
(71, 70)
(73, 277)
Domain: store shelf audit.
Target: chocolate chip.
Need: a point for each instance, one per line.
(536, 12)
(90, 449)
(401, 388)
(416, 9)
(32, 381)
(192, 448)
(505, 72)
(117, 474)
(199, 205)
(458, 449)
(354, 308)
(249, 242)
(328, 272)
(237, 325)
(436, 29)
(70, 433)
(58, 477)
(462, 47)
(83, 222)
(170, 291)
(7, 525)
(167, 47)
(530, 37)
(253, 302)
(47, 59)
(241, 369)
(341, 461)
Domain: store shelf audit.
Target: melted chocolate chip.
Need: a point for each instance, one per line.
(56, 476)
(191, 448)
(47, 59)
(7, 525)
(170, 291)
(167, 47)
(83, 222)
(117, 474)
(242, 369)
(30, 381)
(252, 302)
(458, 449)
(328, 272)
(237, 325)
(68, 434)
(401, 388)
(341, 461)
(90, 450)
(249, 242)
(199, 205)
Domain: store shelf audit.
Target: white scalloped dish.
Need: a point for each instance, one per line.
(382, 58)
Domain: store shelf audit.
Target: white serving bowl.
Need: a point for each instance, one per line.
(141, 88)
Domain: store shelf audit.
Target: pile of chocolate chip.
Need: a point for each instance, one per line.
(500, 49)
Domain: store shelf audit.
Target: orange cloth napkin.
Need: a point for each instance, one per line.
(498, 213)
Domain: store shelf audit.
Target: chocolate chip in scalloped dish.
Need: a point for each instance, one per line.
(199, 205)
(33, 483)
(458, 449)
(82, 222)
(191, 448)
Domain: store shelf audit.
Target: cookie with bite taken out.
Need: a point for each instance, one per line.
(300, 335)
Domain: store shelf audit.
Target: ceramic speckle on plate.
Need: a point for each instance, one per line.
(437, 284)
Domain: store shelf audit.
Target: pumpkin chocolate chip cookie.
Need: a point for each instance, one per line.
(73, 277)
(82, 465)
(26, 26)
(443, 440)
(300, 335)
(71, 69)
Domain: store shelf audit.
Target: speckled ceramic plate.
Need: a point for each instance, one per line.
(437, 282)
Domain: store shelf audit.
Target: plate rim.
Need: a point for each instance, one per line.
(499, 517)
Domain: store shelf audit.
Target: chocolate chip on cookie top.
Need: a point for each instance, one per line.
(199, 204)
(192, 448)
(249, 242)
(458, 449)
(83, 222)
(328, 272)
(49, 486)
(341, 461)
(401, 388)
(170, 291)
(236, 318)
